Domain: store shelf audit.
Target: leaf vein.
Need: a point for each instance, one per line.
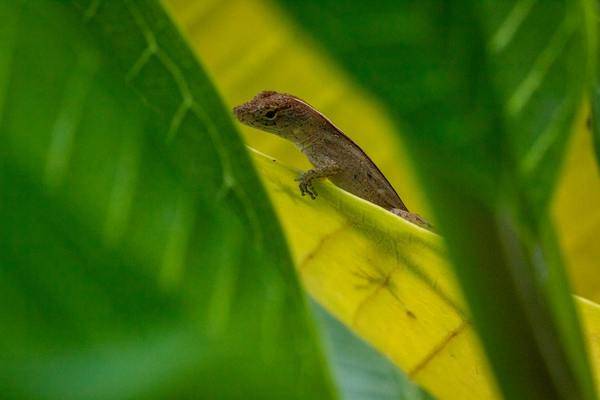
(540, 68)
(509, 27)
(177, 241)
(544, 141)
(228, 180)
(437, 350)
(123, 190)
(140, 63)
(177, 119)
(68, 118)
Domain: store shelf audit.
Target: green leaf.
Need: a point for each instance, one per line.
(485, 94)
(139, 255)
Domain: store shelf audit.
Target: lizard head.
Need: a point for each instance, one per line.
(278, 113)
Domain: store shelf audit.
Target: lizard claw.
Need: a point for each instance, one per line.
(412, 217)
(306, 188)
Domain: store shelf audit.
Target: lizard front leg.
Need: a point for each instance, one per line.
(322, 171)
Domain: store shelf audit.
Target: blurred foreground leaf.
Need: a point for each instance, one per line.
(139, 256)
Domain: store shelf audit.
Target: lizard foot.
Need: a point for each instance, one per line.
(412, 217)
(306, 187)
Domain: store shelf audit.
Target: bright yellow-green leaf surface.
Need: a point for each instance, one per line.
(387, 279)
(384, 277)
(390, 281)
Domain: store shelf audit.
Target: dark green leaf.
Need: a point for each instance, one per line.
(139, 256)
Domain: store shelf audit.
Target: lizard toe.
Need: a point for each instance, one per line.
(303, 189)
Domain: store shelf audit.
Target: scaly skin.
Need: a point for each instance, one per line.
(334, 155)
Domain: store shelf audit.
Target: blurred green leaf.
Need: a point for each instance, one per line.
(139, 256)
(485, 93)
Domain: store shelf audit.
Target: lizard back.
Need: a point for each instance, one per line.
(359, 175)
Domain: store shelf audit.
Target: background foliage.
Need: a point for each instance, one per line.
(140, 256)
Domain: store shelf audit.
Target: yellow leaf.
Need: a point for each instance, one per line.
(387, 279)
(391, 282)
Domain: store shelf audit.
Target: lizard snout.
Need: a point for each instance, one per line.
(242, 113)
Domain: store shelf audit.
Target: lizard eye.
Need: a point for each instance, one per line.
(270, 114)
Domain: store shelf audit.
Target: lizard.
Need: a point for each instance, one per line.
(332, 153)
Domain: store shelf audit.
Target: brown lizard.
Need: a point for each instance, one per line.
(333, 154)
